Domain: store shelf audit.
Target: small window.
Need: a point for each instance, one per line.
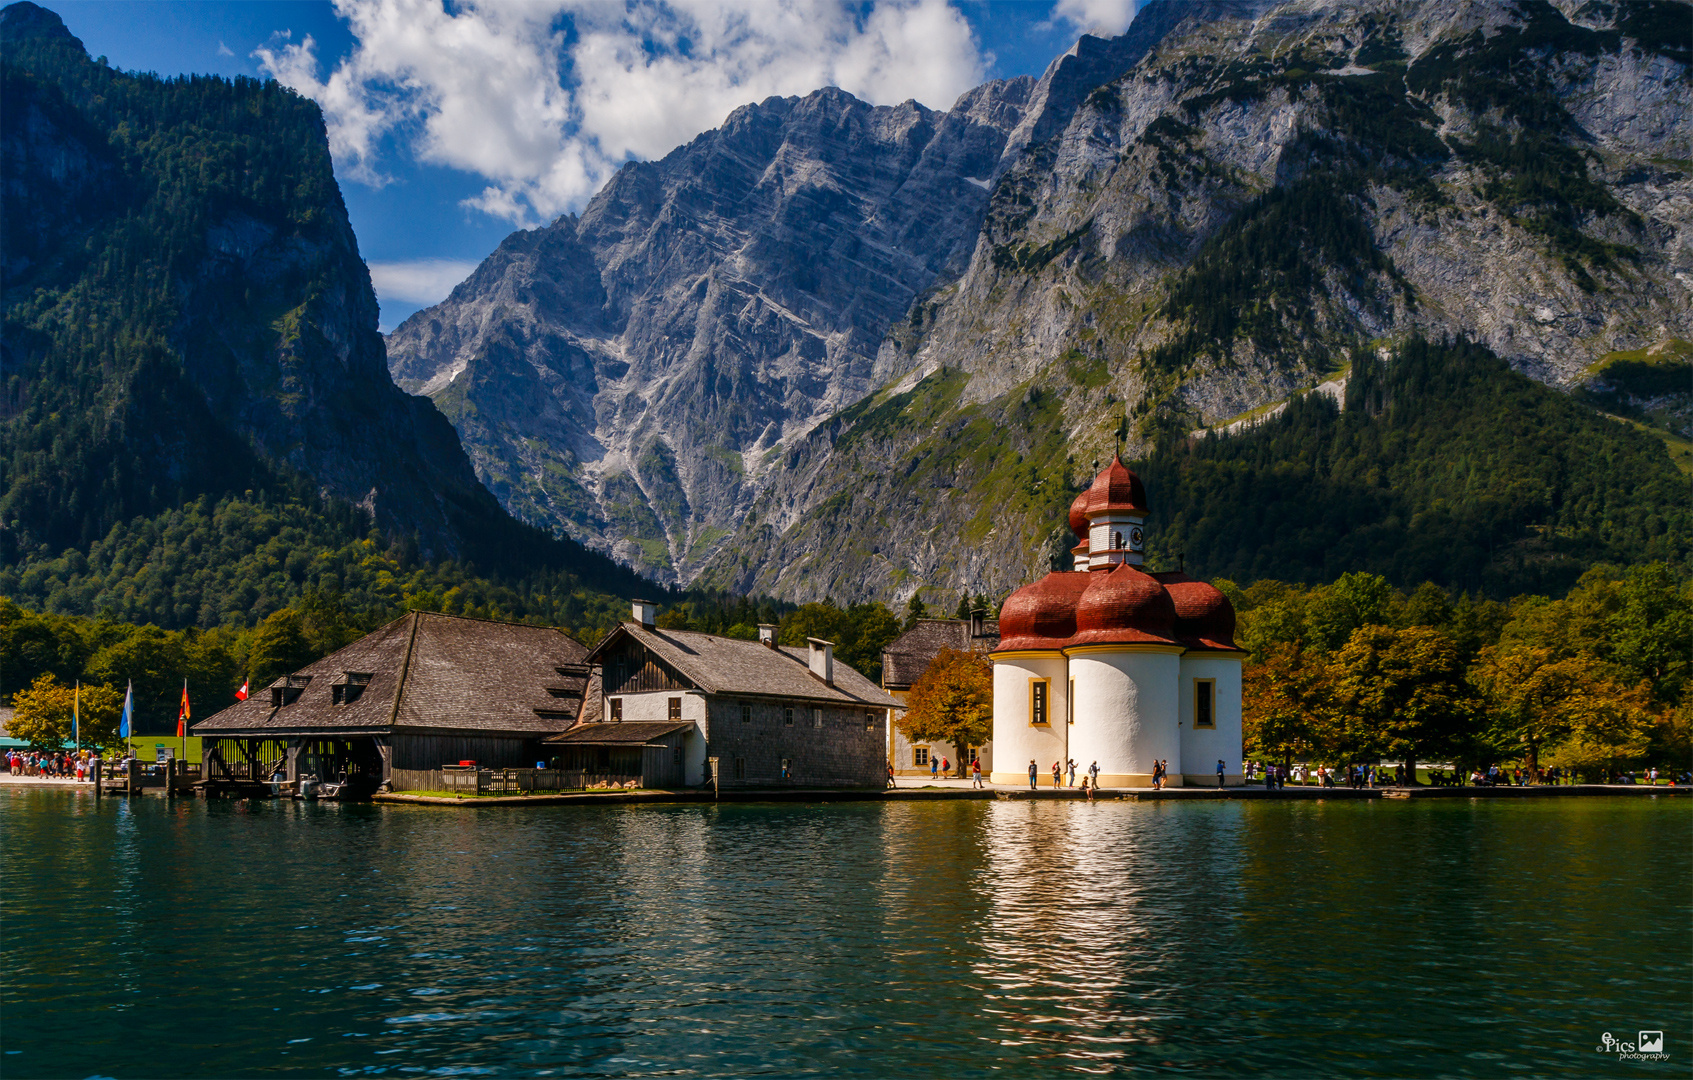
(1038, 690)
(617, 709)
(1204, 703)
(1116, 541)
(675, 711)
(746, 713)
(816, 717)
(869, 719)
(919, 755)
(788, 715)
(1070, 702)
(741, 766)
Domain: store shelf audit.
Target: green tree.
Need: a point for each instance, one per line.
(279, 648)
(1353, 601)
(1402, 692)
(915, 609)
(43, 714)
(951, 702)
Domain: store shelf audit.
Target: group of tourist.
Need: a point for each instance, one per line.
(80, 765)
(1063, 770)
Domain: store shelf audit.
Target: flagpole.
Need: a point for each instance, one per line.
(76, 718)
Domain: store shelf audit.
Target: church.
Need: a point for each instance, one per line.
(1111, 664)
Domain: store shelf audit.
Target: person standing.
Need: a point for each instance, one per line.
(1032, 772)
(1093, 773)
(946, 766)
(1219, 772)
(1057, 775)
(891, 775)
(1072, 767)
(976, 771)
(934, 767)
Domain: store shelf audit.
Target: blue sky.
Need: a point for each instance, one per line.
(453, 125)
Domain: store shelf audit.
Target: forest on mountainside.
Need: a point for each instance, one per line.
(192, 388)
(1442, 464)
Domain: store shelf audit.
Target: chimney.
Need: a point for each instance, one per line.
(646, 613)
(767, 635)
(822, 659)
(977, 616)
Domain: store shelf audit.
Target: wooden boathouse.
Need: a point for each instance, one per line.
(424, 691)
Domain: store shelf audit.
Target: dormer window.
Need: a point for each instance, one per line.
(287, 690)
(348, 686)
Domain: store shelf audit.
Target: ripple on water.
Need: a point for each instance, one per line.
(901, 940)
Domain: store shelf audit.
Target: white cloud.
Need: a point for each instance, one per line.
(225, 50)
(546, 98)
(421, 281)
(1104, 17)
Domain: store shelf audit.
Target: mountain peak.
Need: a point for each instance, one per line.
(25, 21)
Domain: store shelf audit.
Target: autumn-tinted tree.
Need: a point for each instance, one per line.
(1401, 693)
(1286, 708)
(1535, 699)
(951, 702)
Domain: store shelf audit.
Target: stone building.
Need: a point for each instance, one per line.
(1108, 663)
(768, 714)
(905, 660)
(426, 690)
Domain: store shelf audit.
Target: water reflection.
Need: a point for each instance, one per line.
(231, 939)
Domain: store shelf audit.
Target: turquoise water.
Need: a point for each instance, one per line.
(1437, 938)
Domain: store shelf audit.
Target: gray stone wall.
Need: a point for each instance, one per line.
(827, 745)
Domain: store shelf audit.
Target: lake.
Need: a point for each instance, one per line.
(1450, 937)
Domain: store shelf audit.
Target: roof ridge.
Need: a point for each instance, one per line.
(491, 622)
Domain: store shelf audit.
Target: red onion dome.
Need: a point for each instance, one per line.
(1204, 616)
(1042, 615)
(1124, 606)
(1079, 516)
(1116, 490)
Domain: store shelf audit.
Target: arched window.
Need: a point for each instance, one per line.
(1116, 541)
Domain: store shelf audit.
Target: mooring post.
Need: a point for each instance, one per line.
(132, 777)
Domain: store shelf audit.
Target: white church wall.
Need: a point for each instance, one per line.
(1201, 747)
(1016, 739)
(1126, 704)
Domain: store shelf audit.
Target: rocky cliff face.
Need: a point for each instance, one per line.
(1178, 227)
(186, 311)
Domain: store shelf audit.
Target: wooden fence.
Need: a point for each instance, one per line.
(472, 781)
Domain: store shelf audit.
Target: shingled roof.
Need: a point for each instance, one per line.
(427, 671)
(625, 734)
(724, 665)
(908, 656)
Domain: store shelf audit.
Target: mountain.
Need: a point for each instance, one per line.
(633, 375)
(186, 317)
(836, 349)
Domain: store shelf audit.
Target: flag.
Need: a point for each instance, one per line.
(182, 713)
(241, 694)
(128, 711)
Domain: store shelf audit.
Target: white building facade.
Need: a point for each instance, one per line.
(1109, 665)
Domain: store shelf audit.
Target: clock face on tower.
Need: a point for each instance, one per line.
(1134, 539)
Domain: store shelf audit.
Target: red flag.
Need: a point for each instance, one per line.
(182, 713)
(241, 694)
